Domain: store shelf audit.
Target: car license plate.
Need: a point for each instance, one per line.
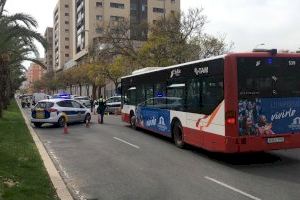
(40, 114)
(275, 140)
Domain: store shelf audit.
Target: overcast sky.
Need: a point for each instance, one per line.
(246, 23)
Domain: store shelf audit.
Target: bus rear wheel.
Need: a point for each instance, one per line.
(133, 121)
(178, 135)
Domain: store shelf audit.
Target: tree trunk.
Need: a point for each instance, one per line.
(99, 91)
(80, 90)
(94, 89)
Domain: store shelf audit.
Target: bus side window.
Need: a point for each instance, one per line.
(176, 96)
(212, 94)
(149, 93)
(130, 97)
(193, 102)
(140, 94)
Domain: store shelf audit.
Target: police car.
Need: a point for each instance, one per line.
(57, 111)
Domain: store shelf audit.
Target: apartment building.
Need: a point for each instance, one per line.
(63, 33)
(92, 16)
(34, 73)
(49, 51)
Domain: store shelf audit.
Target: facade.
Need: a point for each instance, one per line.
(34, 73)
(49, 51)
(62, 34)
(92, 16)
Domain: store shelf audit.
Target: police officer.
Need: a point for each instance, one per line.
(101, 109)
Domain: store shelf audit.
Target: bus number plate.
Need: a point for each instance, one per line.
(275, 140)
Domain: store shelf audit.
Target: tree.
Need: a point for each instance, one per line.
(116, 69)
(17, 36)
(180, 38)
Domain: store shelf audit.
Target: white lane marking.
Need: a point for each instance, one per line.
(232, 188)
(135, 146)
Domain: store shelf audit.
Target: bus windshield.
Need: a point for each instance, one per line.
(269, 95)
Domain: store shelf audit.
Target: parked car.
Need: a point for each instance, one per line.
(85, 100)
(53, 111)
(113, 104)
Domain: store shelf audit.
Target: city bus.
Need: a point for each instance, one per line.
(238, 102)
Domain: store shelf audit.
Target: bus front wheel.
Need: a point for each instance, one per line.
(178, 135)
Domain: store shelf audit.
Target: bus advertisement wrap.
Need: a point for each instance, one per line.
(269, 116)
(154, 119)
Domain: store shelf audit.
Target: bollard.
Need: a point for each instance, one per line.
(66, 131)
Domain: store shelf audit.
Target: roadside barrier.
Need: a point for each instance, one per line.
(66, 131)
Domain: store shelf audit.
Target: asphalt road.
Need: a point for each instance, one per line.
(112, 161)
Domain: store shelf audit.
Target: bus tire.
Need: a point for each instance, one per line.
(133, 121)
(178, 134)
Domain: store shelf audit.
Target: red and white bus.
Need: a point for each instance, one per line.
(239, 102)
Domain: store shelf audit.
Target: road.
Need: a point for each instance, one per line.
(112, 161)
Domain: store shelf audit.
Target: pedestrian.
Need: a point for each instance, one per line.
(101, 109)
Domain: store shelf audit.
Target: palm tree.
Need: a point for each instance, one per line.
(17, 37)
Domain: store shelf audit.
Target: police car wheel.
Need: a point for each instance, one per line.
(61, 122)
(37, 124)
(87, 118)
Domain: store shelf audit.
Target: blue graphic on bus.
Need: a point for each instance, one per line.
(157, 120)
(269, 116)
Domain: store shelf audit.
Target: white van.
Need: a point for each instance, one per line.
(36, 97)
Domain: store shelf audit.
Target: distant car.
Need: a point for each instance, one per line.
(113, 104)
(85, 100)
(53, 111)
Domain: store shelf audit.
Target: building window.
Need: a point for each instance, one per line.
(67, 30)
(66, 22)
(67, 47)
(116, 18)
(66, 14)
(67, 39)
(99, 17)
(66, 6)
(99, 30)
(66, 55)
(158, 10)
(173, 1)
(117, 5)
(99, 4)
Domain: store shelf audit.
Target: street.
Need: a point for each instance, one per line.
(113, 161)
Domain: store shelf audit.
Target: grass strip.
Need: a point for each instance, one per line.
(22, 173)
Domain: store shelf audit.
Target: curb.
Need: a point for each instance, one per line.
(57, 181)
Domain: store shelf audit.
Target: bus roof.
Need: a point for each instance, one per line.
(174, 66)
(239, 54)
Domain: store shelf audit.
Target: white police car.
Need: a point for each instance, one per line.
(56, 111)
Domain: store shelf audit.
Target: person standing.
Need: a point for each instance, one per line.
(101, 109)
